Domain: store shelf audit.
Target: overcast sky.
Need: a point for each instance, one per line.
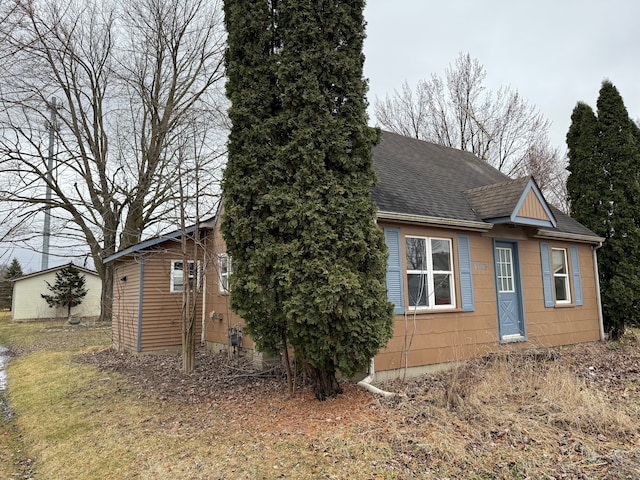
(555, 53)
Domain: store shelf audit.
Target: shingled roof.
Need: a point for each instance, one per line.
(444, 185)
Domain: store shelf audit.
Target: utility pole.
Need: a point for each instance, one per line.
(47, 214)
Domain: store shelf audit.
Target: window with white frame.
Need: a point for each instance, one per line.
(224, 271)
(561, 275)
(178, 275)
(430, 281)
(504, 270)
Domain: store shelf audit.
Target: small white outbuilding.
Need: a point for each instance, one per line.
(28, 304)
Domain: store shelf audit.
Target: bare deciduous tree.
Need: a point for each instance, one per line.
(191, 188)
(460, 112)
(130, 79)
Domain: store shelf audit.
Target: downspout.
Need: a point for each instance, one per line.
(366, 383)
(598, 299)
(204, 300)
(140, 298)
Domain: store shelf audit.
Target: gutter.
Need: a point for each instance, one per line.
(366, 383)
(576, 237)
(435, 221)
(598, 299)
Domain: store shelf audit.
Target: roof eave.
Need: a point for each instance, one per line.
(152, 242)
(520, 221)
(576, 237)
(435, 221)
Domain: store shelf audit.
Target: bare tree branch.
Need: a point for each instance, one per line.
(132, 79)
(460, 112)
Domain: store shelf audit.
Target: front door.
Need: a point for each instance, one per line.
(510, 308)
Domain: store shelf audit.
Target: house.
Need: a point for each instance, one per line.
(28, 304)
(148, 284)
(478, 263)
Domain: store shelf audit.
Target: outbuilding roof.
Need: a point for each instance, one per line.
(154, 241)
(54, 269)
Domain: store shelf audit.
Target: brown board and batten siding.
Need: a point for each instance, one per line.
(531, 208)
(126, 294)
(149, 319)
(162, 308)
(423, 338)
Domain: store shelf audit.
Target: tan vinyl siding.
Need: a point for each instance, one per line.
(449, 336)
(565, 324)
(162, 310)
(440, 337)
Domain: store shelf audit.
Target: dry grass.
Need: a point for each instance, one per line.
(519, 416)
(505, 417)
(512, 389)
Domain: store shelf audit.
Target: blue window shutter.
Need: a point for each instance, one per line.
(575, 273)
(395, 286)
(547, 276)
(466, 274)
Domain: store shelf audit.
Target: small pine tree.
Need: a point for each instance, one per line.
(12, 272)
(68, 290)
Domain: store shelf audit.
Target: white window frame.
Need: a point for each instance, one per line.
(430, 274)
(224, 274)
(194, 272)
(505, 270)
(561, 276)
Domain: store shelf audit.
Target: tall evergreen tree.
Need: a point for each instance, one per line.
(604, 190)
(309, 262)
(13, 271)
(588, 180)
(68, 290)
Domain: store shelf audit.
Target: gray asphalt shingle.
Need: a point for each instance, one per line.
(425, 179)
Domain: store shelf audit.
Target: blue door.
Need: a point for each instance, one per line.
(509, 293)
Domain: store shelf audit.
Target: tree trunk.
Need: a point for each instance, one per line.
(106, 295)
(189, 299)
(287, 362)
(325, 383)
(188, 346)
(616, 331)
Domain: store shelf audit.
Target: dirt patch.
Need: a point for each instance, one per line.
(611, 367)
(245, 393)
(215, 375)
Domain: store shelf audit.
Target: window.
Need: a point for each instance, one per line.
(429, 272)
(177, 275)
(561, 275)
(224, 270)
(504, 267)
